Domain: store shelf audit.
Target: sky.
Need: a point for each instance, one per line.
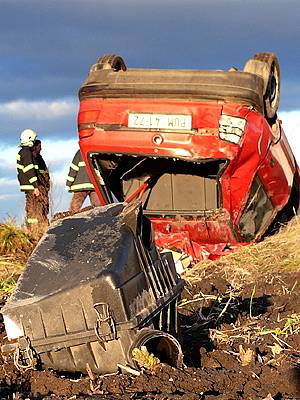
(48, 46)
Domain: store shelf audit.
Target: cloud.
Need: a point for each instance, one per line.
(57, 154)
(56, 118)
(291, 125)
(8, 182)
(38, 110)
(8, 158)
(8, 196)
(47, 47)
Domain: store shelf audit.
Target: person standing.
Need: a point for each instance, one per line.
(43, 178)
(79, 183)
(30, 184)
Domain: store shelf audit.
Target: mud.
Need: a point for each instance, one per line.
(237, 345)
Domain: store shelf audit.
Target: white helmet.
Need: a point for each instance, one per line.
(28, 137)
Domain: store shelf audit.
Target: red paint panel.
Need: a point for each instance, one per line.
(256, 154)
(202, 230)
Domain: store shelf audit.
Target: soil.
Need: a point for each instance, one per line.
(237, 345)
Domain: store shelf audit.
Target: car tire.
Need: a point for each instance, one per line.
(266, 65)
(111, 61)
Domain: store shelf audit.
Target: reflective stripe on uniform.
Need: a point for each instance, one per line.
(32, 220)
(81, 164)
(28, 168)
(33, 179)
(70, 179)
(18, 157)
(26, 187)
(82, 186)
(19, 166)
(73, 166)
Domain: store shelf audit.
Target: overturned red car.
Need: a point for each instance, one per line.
(203, 151)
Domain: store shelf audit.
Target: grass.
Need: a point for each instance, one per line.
(291, 327)
(10, 269)
(9, 265)
(16, 244)
(15, 240)
(280, 252)
(7, 285)
(251, 301)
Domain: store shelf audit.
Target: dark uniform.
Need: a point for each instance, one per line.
(29, 179)
(44, 182)
(78, 182)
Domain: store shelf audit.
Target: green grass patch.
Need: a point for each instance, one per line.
(7, 285)
(291, 327)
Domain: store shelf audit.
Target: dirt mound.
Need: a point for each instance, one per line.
(240, 336)
(251, 335)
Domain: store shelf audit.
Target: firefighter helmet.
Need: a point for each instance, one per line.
(28, 137)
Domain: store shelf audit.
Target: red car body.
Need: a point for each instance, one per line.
(207, 187)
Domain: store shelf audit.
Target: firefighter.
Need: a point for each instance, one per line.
(30, 183)
(43, 176)
(79, 183)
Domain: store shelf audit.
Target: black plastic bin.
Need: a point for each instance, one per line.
(94, 288)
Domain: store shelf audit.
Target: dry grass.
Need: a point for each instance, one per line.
(16, 245)
(15, 240)
(280, 252)
(9, 265)
(10, 269)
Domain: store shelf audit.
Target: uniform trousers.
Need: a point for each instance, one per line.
(36, 209)
(79, 197)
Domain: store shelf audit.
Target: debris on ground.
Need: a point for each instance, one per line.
(240, 324)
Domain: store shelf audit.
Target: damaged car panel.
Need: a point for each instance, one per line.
(191, 145)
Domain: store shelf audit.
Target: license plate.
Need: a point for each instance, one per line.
(160, 121)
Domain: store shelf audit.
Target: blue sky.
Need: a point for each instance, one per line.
(48, 46)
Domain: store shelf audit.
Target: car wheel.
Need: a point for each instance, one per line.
(266, 65)
(111, 61)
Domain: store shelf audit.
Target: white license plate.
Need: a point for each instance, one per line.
(174, 122)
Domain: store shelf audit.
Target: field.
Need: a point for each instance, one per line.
(240, 325)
